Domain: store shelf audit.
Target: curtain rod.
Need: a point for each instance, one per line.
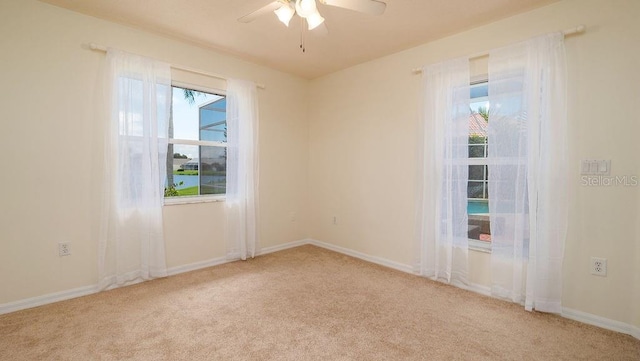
(577, 30)
(97, 47)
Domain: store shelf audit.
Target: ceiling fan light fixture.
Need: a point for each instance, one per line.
(304, 8)
(285, 13)
(314, 20)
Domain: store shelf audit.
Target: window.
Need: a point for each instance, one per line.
(197, 151)
(479, 231)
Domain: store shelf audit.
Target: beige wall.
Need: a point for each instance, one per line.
(51, 106)
(363, 125)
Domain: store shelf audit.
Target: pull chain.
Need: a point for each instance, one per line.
(302, 45)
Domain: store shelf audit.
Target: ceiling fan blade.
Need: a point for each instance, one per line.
(263, 10)
(372, 7)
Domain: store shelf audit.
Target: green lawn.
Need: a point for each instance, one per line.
(211, 188)
(195, 172)
(191, 191)
(185, 172)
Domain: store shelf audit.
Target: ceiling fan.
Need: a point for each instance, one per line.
(307, 10)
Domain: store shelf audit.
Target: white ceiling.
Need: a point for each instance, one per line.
(353, 37)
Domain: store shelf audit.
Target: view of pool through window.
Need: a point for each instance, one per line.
(478, 183)
(477, 207)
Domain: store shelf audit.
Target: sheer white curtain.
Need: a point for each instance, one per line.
(442, 215)
(242, 169)
(527, 171)
(131, 246)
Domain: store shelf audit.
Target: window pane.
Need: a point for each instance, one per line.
(476, 172)
(204, 174)
(480, 90)
(213, 175)
(184, 172)
(196, 168)
(479, 227)
(477, 186)
(477, 150)
(186, 112)
(476, 189)
(213, 120)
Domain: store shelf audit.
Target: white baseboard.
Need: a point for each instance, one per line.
(87, 290)
(602, 322)
(196, 266)
(221, 260)
(46, 299)
(365, 257)
(282, 247)
(485, 290)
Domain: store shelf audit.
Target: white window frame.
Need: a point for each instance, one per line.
(205, 198)
(475, 244)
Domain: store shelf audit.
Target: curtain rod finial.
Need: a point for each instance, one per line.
(96, 47)
(577, 30)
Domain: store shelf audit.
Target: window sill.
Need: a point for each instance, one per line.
(172, 201)
(479, 246)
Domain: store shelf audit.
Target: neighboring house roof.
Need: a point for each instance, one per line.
(478, 125)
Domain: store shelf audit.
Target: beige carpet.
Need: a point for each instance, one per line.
(305, 303)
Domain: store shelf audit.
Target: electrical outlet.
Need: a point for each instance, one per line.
(335, 219)
(599, 266)
(64, 249)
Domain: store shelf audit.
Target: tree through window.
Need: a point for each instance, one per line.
(197, 154)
